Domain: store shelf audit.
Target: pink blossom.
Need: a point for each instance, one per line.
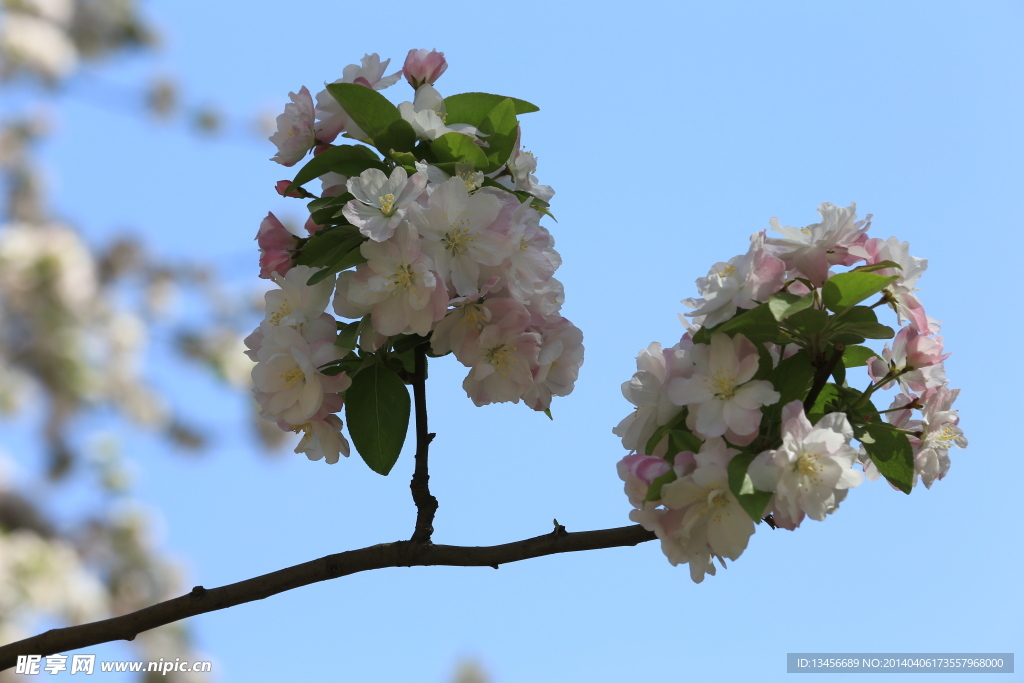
(282, 189)
(813, 462)
(638, 471)
(503, 361)
(811, 250)
(900, 294)
(558, 365)
(399, 285)
(721, 388)
(294, 136)
(712, 516)
(422, 66)
(286, 378)
(323, 439)
(275, 261)
(332, 118)
(273, 235)
(916, 357)
(742, 282)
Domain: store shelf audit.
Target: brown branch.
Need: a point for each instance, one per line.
(822, 370)
(426, 504)
(399, 554)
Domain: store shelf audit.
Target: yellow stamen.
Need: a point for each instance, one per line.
(459, 239)
(722, 385)
(500, 358)
(808, 465)
(387, 204)
(403, 277)
(292, 376)
(283, 311)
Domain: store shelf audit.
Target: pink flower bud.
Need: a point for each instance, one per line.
(275, 261)
(423, 67)
(310, 226)
(646, 468)
(282, 185)
(273, 235)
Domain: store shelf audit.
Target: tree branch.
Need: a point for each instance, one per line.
(426, 504)
(822, 369)
(399, 554)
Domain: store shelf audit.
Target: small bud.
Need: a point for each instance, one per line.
(423, 67)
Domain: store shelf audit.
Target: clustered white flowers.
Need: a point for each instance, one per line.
(453, 254)
(750, 415)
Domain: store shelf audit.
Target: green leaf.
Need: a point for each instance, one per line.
(683, 440)
(328, 213)
(346, 255)
(869, 330)
(501, 128)
(398, 136)
(405, 342)
(547, 411)
(459, 148)
(856, 356)
(808, 322)
(792, 377)
(654, 490)
(839, 370)
(328, 245)
(881, 265)
(348, 160)
(661, 431)
(848, 289)
(753, 500)
(826, 399)
(473, 107)
(377, 411)
(860, 322)
(892, 454)
(370, 110)
(757, 324)
(347, 335)
(784, 304)
(350, 365)
(406, 360)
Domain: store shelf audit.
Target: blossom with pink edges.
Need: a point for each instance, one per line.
(294, 136)
(722, 390)
(399, 286)
(811, 250)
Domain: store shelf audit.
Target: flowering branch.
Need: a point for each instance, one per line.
(398, 554)
(426, 504)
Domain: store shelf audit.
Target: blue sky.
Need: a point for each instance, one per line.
(670, 131)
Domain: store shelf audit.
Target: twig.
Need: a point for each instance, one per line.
(426, 504)
(822, 370)
(399, 554)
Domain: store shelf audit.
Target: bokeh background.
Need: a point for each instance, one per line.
(670, 131)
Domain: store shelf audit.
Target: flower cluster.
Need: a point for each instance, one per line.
(750, 416)
(433, 241)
